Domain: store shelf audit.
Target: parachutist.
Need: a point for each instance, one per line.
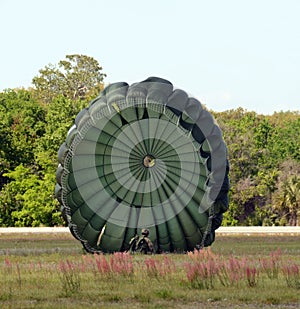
(141, 244)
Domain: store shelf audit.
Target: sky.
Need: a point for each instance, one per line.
(226, 53)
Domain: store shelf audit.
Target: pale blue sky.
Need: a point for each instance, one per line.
(227, 53)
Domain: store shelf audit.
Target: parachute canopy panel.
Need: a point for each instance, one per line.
(143, 156)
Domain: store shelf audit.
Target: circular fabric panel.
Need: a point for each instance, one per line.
(143, 156)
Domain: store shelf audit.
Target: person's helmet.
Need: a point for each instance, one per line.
(145, 232)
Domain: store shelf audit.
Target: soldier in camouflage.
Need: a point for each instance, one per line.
(141, 244)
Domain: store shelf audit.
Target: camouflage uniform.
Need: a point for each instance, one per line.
(141, 244)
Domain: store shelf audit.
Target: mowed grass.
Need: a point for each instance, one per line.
(52, 271)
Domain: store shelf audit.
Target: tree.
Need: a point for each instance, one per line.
(261, 193)
(77, 77)
(21, 125)
(28, 199)
(60, 117)
(28, 179)
(286, 200)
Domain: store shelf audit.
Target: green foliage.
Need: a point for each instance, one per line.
(27, 200)
(259, 148)
(78, 76)
(60, 117)
(28, 197)
(22, 122)
(31, 133)
(286, 199)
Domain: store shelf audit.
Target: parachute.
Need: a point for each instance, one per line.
(145, 155)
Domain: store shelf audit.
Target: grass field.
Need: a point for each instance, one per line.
(52, 271)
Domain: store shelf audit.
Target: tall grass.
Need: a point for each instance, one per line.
(165, 281)
(70, 277)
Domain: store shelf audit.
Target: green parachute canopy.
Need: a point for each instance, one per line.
(143, 156)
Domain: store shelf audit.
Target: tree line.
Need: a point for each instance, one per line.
(263, 150)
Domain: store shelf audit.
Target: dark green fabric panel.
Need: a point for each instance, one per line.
(83, 161)
(58, 193)
(85, 147)
(128, 235)
(156, 97)
(67, 167)
(116, 91)
(188, 225)
(96, 222)
(198, 196)
(86, 212)
(74, 199)
(163, 232)
(112, 239)
(206, 147)
(218, 163)
(201, 219)
(129, 114)
(111, 126)
(193, 109)
(140, 111)
(78, 220)
(153, 113)
(108, 127)
(99, 161)
(194, 241)
(71, 184)
(115, 186)
(93, 134)
(128, 196)
(110, 244)
(186, 121)
(82, 117)
(84, 178)
(62, 152)
(91, 235)
(178, 100)
(98, 110)
(166, 247)
(103, 140)
(197, 134)
(170, 184)
(214, 139)
(59, 172)
(205, 122)
(176, 235)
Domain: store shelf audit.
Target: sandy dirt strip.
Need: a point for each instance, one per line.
(234, 230)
